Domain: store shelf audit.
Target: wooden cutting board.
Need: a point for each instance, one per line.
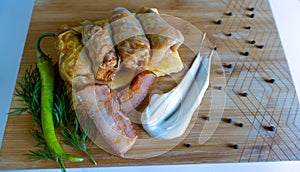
(267, 104)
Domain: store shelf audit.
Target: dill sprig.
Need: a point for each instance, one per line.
(43, 152)
(75, 136)
(30, 94)
(64, 116)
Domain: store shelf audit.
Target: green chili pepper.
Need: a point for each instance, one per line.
(47, 75)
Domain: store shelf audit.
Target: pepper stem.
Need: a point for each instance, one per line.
(39, 53)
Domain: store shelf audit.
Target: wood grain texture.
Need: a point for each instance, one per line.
(267, 104)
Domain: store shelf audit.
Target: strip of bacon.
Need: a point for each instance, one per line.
(108, 110)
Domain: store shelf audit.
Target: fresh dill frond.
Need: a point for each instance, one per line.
(42, 153)
(30, 92)
(75, 136)
(64, 116)
(38, 135)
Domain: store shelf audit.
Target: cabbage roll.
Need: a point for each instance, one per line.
(164, 40)
(100, 49)
(128, 35)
